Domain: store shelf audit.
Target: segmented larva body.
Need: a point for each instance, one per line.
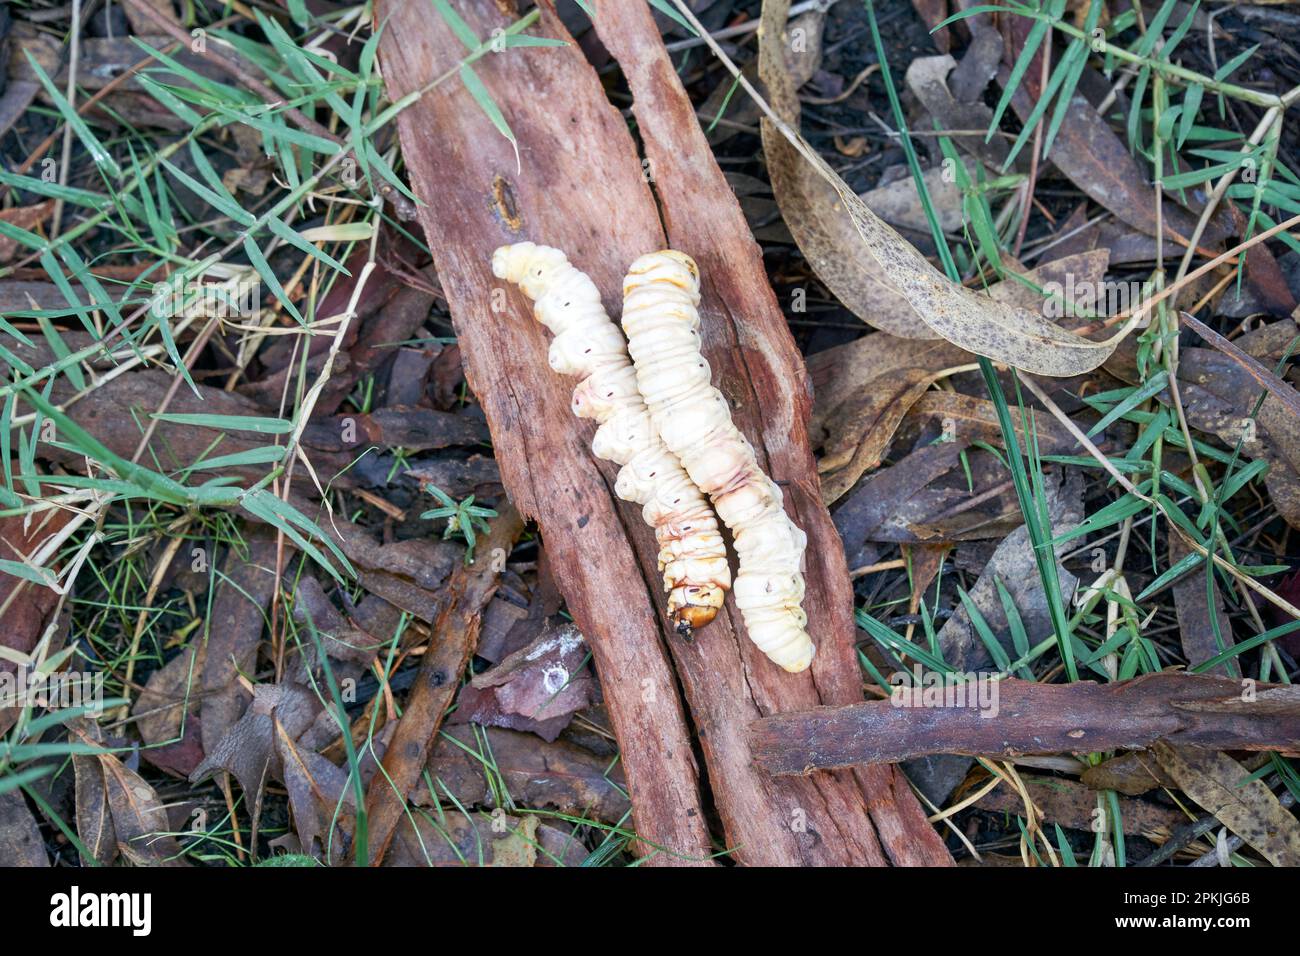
(692, 554)
(660, 316)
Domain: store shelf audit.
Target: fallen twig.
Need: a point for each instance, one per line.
(1030, 718)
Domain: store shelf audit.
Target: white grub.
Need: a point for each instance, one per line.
(587, 343)
(661, 295)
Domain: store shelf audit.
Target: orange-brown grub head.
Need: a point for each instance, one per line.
(691, 617)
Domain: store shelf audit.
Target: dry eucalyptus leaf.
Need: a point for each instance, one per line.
(543, 776)
(1015, 565)
(1074, 807)
(1195, 616)
(117, 810)
(167, 713)
(315, 787)
(139, 819)
(1132, 773)
(810, 206)
(1016, 337)
(1247, 808)
(248, 749)
(1075, 278)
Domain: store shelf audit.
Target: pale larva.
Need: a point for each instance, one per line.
(692, 555)
(661, 319)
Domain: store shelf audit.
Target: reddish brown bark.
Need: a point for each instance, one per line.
(579, 186)
(1215, 713)
(569, 190)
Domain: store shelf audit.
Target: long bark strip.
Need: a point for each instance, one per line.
(757, 365)
(454, 636)
(1215, 713)
(578, 186)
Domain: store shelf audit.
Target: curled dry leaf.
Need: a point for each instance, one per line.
(117, 810)
(842, 374)
(248, 748)
(1017, 337)
(861, 434)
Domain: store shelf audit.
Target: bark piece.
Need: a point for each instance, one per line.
(1183, 709)
(478, 196)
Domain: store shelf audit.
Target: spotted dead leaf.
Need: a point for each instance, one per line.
(1245, 806)
(811, 208)
(1004, 333)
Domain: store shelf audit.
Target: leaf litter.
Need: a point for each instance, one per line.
(268, 681)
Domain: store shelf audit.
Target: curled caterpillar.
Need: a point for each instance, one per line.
(692, 554)
(660, 316)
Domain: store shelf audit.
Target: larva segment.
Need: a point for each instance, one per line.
(661, 295)
(692, 554)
